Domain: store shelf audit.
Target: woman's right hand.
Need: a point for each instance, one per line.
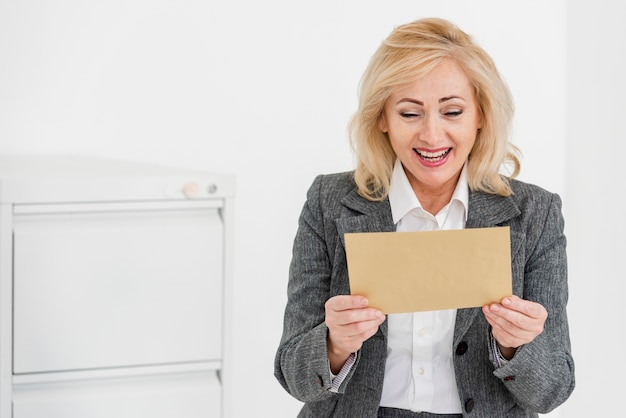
(350, 322)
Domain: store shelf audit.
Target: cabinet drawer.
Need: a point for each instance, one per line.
(113, 287)
(196, 395)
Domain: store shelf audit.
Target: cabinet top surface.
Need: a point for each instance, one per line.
(49, 167)
(66, 179)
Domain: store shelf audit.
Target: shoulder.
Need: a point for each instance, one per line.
(528, 205)
(332, 187)
(540, 210)
(343, 180)
(528, 194)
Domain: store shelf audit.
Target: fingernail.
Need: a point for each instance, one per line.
(506, 301)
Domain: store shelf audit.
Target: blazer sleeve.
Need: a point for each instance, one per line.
(541, 374)
(301, 362)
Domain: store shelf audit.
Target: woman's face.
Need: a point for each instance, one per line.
(432, 125)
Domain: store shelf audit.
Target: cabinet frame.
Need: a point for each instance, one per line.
(9, 204)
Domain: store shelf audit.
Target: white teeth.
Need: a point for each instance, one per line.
(433, 155)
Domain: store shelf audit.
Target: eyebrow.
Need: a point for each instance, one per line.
(419, 102)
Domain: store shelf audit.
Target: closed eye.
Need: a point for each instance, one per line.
(453, 113)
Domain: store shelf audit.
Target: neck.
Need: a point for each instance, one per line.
(433, 199)
(433, 204)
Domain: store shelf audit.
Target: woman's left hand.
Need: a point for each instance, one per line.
(515, 322)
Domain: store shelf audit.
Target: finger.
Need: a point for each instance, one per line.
(345, 302)
(504, 332)
(350, 337)
(351, 317)
(508, 318)
(511, 328)
(352, 320)
(509, 341)
(497, 320)
(511, 338)
(526, 307)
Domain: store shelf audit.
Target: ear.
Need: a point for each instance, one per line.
(382, 123)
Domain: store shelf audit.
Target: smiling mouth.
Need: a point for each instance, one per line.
(432, 157)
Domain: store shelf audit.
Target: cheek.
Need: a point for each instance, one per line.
(471, 140)
(400, 147)
(469, 143)
(465, 136)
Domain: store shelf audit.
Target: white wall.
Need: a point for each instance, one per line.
(263, 90)
(596, 224)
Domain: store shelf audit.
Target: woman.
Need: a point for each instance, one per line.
(431, 139)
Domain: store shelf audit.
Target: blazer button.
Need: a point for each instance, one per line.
(469, 405)
(461, 348)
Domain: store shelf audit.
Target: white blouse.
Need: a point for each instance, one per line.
(419, 372)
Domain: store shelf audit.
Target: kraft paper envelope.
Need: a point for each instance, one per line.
(430, 270)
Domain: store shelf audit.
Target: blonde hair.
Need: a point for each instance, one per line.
(408, 53)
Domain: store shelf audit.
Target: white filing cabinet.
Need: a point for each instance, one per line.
(115, 283)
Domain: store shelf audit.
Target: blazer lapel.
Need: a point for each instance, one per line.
(366, 216)
(485, 210)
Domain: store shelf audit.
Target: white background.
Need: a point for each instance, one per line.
(264, 90)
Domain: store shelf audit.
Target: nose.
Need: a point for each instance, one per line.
(430, 130)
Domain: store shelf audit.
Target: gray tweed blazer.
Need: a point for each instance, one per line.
(540, 376)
